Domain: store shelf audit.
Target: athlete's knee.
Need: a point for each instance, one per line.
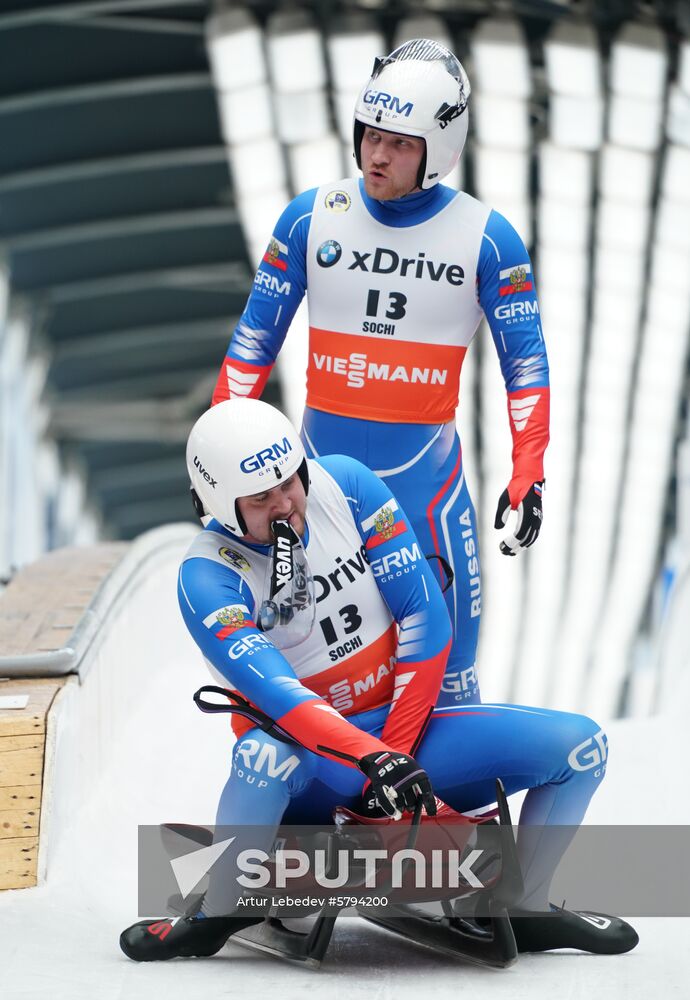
(262, 761)
(587, 747)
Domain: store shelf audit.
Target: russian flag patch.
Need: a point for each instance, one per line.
(275, 255)
(224, 621)
(515, 279)
(385, 523)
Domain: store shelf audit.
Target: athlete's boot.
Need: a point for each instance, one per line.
(184, 937)
(560, 928)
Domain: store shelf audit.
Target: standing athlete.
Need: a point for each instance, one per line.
(308, 593)
(399, 270)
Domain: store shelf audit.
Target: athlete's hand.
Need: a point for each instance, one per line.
(397, 782)
(529, 518)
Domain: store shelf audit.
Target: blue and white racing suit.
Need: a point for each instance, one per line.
(396, 291)
(366, 680)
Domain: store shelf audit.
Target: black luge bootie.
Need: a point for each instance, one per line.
(180, 937)
(594, 932)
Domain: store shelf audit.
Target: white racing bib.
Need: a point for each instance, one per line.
(349, 657)
(391, 310)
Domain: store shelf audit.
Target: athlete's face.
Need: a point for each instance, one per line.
(285, 502)
(390, 163)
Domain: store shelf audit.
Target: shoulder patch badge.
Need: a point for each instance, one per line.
(234, 558)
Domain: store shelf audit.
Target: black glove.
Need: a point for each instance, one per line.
(529, 518)
(397, 781)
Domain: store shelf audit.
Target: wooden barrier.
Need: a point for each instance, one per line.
(22, 746)
(53, 614)
(46, 600)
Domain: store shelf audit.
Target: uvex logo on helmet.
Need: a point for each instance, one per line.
(388, 102)
(204, 473)
(276, 454)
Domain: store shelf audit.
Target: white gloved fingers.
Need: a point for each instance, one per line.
(391, 795)
(510, 546)
(531, 538)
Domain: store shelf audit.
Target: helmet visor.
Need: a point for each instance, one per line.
(287, 610)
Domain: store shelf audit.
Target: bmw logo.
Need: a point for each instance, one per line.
(329, 253)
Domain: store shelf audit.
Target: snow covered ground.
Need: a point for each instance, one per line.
(132, 748)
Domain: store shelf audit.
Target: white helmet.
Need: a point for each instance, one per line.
(236, 449)
(420, 89)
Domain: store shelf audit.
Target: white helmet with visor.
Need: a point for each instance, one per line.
(421, 90)
(239, 448)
